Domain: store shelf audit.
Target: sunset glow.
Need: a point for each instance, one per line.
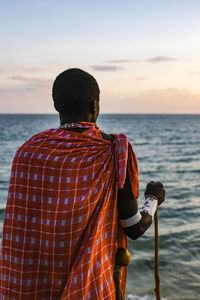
(144, 54)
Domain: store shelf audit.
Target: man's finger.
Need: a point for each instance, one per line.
(159, 184)
(150, 183)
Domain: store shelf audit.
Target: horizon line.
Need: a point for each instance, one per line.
(11, 113)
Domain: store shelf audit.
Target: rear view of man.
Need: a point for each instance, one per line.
(71, 203)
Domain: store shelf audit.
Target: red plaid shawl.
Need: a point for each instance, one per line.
(61, 228)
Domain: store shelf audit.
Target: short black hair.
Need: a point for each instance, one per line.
(72, 91)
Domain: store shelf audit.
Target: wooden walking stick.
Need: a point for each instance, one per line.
(156, 274)
(122, 259)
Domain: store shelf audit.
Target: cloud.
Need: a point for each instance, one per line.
(107, 68)
(158, 59)
(23, 78)
(13, 69)
(47, 67)
(35, 69)
(142, 78)
(29, 82)
(194, 73)
(120, 61)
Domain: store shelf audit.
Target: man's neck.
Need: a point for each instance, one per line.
(70, 119)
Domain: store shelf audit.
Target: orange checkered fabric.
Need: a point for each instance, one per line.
(61, 229)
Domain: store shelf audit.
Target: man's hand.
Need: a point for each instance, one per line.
(155, 189)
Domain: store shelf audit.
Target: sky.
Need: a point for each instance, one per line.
(145, 54)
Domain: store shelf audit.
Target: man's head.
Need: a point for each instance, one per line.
(76, 96)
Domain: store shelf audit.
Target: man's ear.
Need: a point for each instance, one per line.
(93, 106)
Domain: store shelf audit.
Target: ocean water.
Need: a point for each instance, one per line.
(168, 149)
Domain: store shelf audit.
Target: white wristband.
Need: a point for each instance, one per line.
(132, 220)
(150, 205)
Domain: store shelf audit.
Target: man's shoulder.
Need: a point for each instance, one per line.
(37, 137)
(107, 137)
(111, 137)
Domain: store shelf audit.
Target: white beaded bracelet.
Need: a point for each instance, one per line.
(150, 205)
(132, 220)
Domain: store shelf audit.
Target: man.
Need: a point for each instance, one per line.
(69, 189)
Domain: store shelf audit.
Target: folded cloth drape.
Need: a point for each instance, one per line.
(61, 229)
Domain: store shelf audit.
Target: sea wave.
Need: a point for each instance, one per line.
(146, 297)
